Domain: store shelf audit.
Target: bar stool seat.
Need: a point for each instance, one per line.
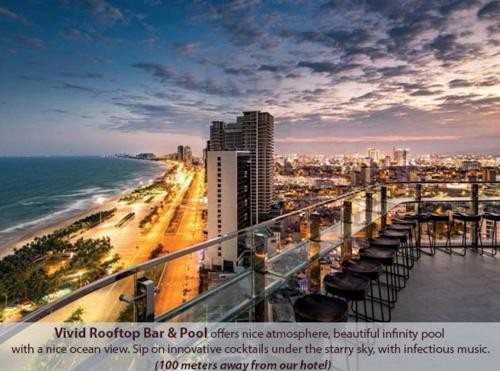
(467, 217)
(492, 216)
(423, 217)
(385, 242)
(367, 268)
(347, 285)
(401, 227)
(409, 220)
(395, 233)
(439, 217)
(320, 308)
(380, 254)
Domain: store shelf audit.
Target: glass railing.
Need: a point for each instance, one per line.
(193, 284)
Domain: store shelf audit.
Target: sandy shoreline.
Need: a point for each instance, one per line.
(9, 247)
(28, 237)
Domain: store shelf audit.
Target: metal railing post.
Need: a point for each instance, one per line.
(315, 221)
(144, 300)
(346, 253)
(369, 214)
(475, 211)
(314, 269)
(418, 211)
(258, 245)
(418, 198)
(383, 205)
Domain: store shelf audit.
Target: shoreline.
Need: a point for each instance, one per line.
(27, 237)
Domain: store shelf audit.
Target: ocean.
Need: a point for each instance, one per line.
(36, 192)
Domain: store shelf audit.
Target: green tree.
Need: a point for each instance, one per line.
(76, 316)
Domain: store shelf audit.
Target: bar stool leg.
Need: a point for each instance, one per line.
(464, 242)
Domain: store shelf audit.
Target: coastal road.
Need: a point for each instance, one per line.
(129, 242)
(180, 279)
(135, 247)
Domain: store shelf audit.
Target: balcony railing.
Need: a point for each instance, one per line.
(172, 288)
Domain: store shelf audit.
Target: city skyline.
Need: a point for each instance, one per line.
(104, 77)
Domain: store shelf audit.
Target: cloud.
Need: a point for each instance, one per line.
(8, 14)
(327, 67)
(94, 59)
(490, 11)
(85, 75)
(332, 38)
(79, 88)
(238, 71)
(186, 48)
(460, 83)
(32, 42)
(276, 68)
(241, 20)
(425, 93)
(162, 72)
(446, 48)
(102, 11)
(75, 34)
(168, 75)
(32, 78)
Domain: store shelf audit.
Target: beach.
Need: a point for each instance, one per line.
(178, 193)
(106, 197)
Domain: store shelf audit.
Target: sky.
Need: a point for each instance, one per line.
(81, 77)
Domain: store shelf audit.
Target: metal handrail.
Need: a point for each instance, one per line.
(105, 281)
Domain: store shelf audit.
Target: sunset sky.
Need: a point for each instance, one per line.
(101, 77)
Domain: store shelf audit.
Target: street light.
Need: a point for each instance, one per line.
(100, 201)
(80, 273)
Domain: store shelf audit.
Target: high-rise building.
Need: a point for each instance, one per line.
(489, 174)
(401, 156)
(217, 136)
(234, 136)
(258, 138)
(184, 154)
(374, 154)
(405, 173)
(387, 161)
(228, 178)
(253, 132)
(180, 153)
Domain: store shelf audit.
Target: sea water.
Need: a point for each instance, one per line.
(36, 192)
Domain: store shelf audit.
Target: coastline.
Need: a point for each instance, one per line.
(27, 237)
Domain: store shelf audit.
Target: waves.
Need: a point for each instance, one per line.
(42, 221)
(46, 191)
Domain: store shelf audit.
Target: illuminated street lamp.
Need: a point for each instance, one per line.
(100, 201)
(80, 273)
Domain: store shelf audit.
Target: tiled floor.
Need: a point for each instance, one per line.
(444, 288)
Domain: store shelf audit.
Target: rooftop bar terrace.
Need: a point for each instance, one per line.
(388, 252)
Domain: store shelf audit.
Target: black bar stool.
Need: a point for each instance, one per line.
(352, 288)
(435, 220)
(400, 235)
(320, 308)
(423, 220)
(467, 219)
(410, 220)
(400, 263)
(386, 257)
(494, 219)
(406, 240)
(371, 270)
